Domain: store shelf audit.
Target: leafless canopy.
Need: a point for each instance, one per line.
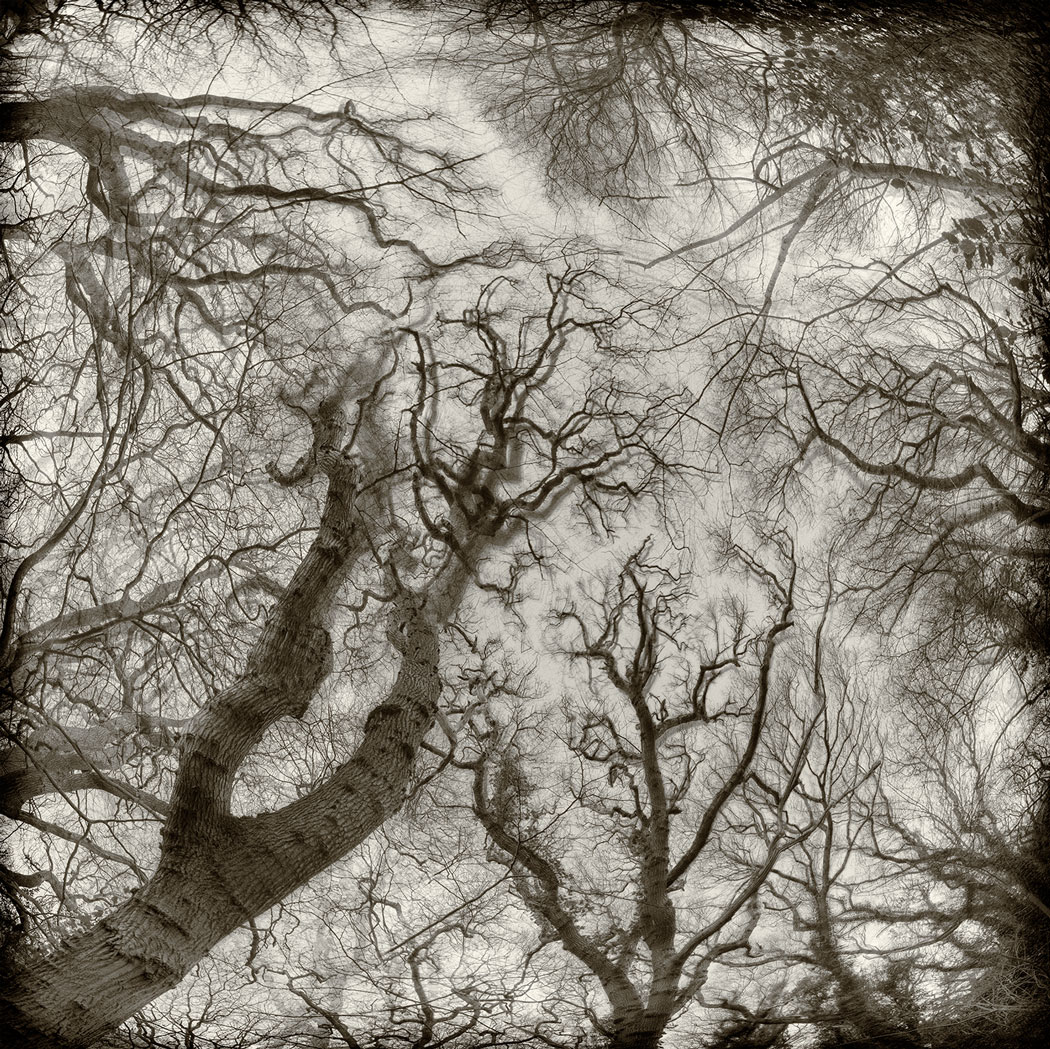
(527, 524)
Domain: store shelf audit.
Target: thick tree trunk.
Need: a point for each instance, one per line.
(216, 871)
(234, 870)
(645, 1032)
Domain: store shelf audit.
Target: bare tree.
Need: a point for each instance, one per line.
(189, 276)
(677, 889)
(309, 421)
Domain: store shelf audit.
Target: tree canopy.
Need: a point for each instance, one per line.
(526, 525)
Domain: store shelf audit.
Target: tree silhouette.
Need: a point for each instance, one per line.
(352, 350)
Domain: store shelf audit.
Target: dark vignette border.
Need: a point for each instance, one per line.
(1023, 25)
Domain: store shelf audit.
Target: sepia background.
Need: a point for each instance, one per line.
(526, 525)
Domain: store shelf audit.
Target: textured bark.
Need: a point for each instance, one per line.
(216, 871)
(643, 1033)
(223, 871)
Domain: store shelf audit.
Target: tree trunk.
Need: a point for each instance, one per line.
(202, 894)
(645, 1032)
(209, 882)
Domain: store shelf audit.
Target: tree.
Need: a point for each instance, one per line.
(169, 298)
(312, 413)
(686, 772)
(217, 869)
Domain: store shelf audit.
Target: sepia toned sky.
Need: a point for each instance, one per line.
(805, 323)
